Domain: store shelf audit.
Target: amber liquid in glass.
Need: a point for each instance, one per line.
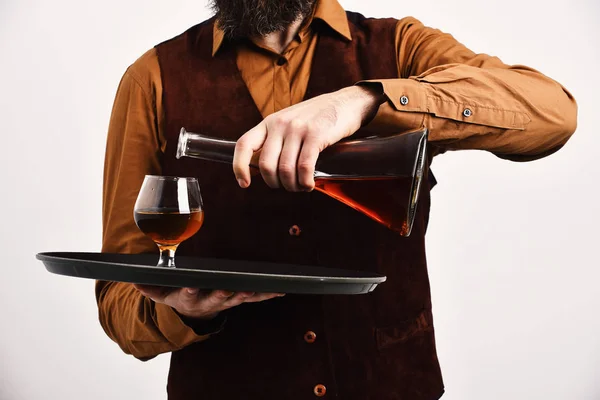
(383, 199)
(168, 227)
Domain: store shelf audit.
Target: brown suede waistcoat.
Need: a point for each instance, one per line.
(378, 346)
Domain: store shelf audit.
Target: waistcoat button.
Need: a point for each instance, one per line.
(295, 230)
(310, 337)
(320, 390)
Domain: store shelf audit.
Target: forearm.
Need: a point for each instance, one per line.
(514, 111)
(473, 101)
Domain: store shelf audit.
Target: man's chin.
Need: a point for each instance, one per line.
(255, 18)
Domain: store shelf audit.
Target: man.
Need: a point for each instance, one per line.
(291, 77)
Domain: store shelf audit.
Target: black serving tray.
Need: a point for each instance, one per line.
(211, 273)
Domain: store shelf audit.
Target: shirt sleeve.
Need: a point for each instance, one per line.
(473, 101)
(134, 146)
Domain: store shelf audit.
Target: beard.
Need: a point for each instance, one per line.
(247, 18)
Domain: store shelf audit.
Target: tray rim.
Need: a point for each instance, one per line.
(52, 256)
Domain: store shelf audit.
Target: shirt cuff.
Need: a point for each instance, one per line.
(177, 332)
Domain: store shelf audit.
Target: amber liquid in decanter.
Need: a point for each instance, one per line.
(377, 176)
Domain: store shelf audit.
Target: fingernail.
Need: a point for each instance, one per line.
(242, 183)
(192, 291)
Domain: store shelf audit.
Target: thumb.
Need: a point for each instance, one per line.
(189, 295)
(191, 291)
(156, 293)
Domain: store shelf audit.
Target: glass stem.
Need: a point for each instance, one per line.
(167, 256)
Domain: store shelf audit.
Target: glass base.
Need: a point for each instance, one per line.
(167, 256)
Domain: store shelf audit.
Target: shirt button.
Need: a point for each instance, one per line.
(295, 230)
(404, 100)
(320, 390)
(281, 61)
(310, 337)
(467, 112)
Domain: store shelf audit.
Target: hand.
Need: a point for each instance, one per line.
(194, 303)
(290, 140)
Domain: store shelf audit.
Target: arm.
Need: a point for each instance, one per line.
(147, 320)
(137, 324)
(514, 112)
(466, 100)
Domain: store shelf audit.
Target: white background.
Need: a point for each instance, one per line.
(512, 247)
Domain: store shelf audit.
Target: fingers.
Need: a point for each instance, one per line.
(288, 172)
(215, 299)
(237, 299)
(249, 297)
(220, 300)
(269, 159)
(281, 143)
(279, 155)
(262, 297)
(245, 147)
(306, 164)
(196, 303)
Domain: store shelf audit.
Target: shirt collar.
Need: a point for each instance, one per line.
(330, 12)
